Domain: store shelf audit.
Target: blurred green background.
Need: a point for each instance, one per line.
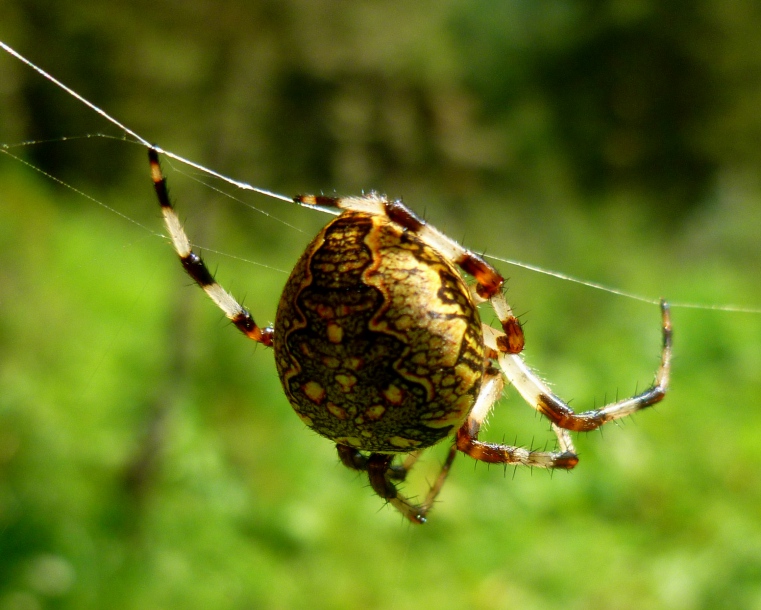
(148, 458)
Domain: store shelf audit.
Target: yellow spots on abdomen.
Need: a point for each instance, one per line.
(346, 382)
(375, 412)
(393, 394)
(335, 333)
(314, 392)
(336, 411)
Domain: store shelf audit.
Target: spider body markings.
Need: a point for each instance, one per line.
(380, 348)
(377, 342)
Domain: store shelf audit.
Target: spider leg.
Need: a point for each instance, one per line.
(380, 471)
(539, 396)
(196, 268)
(467, 436)
(398, 472)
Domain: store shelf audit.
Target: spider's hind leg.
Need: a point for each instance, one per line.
(381, 471)
(540, 397)
(467, 436)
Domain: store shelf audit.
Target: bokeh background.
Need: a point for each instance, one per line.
(148, 458)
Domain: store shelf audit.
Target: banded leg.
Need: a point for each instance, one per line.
(381, 471)
(467, 436)
(398, 472)
(196, 268)
(539, 396)
(489, 281)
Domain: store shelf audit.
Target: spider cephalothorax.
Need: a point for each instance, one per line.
(380, 348)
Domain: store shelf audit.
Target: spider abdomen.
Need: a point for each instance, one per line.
(378, 343)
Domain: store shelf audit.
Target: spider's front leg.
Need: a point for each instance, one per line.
(381, 471)
(196, 268)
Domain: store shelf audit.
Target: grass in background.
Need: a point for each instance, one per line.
(149, 459)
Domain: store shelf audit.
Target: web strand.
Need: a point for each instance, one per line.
(137, 138)
(624, 293)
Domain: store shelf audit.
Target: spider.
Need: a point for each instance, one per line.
(380, 348)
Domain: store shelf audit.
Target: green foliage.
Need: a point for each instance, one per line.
(148, 457)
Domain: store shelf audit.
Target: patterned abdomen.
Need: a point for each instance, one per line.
(377, 342)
